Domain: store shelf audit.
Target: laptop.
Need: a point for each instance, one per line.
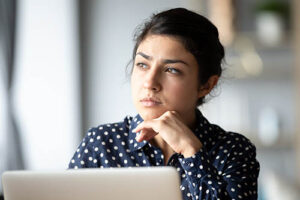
(147, 183)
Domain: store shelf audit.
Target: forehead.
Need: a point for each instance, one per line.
(163, 45)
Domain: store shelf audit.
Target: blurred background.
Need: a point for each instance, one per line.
(62, 71)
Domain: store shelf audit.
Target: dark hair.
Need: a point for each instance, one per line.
(197, 34)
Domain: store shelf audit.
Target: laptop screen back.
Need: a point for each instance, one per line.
(147, 183)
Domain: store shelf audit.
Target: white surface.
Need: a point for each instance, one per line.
(3, 117)
(46, 88)
(268, 126)
(159, 183)
(270, 28)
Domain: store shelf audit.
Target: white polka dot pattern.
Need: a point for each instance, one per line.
(225, 168)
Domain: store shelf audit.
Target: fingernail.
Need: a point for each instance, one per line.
(137, 137)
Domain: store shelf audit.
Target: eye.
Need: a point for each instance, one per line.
(172, 70)
(142, 65)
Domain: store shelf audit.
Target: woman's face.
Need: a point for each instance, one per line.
(164, 77)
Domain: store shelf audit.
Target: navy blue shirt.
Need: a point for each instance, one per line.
(225, 167)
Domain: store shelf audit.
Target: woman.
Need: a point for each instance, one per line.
(176, 63)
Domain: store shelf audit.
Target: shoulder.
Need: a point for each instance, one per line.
(239, 141)
(106, 131)
(99, 141)
(235, 149)
(232, 149)
(232, 143)
(217, 139)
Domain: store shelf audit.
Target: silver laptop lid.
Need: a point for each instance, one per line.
(147, 183)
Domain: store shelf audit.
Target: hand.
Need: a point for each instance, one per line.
(171, 128)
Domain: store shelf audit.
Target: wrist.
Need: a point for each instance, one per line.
(191, 149)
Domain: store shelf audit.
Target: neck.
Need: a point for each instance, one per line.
(158, 141)
(190, 119)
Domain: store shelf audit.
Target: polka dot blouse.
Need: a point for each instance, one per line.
(225, 168)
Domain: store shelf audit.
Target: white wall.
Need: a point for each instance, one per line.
(3, 117)
(239, 103)
(46, 87)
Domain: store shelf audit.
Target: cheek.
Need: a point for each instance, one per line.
(182, 92)
(135, 85)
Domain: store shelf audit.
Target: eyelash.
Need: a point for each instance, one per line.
(169, 69)
(140, 65)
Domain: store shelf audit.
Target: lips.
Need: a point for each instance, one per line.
(150, 102)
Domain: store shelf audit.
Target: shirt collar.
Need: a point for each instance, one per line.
(203, 127)
(133, 144)
(201, 124)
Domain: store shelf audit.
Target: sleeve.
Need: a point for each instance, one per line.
(84, 157)
(231, 175)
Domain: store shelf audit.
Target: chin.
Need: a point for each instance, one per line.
(150, 114)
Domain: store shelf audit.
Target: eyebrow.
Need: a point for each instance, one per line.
(165, 61)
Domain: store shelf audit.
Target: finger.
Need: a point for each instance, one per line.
(174, 112)
(139, 136)
(145, 134)
(144, 125)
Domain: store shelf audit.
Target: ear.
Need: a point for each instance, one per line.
(208, 86)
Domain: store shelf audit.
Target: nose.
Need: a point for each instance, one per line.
(152, 81)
